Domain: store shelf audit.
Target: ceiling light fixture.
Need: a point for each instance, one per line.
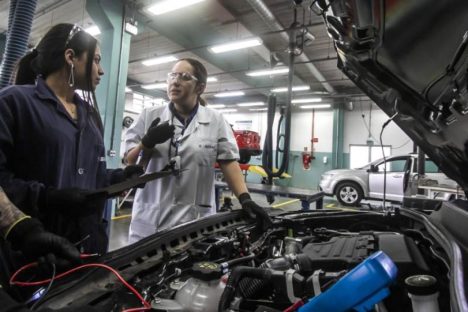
(128, 90)
(229, 94)
(211, 79)
(131, 27)
(295, 88)
(138, 96)
(159, 60)
(159, 85)
(308, 100)
(166, 6)
(236, 45)
(315, 106)
(93, 30)
(268, 72)
(250, 104)
(133, 111)
(215, 106)
(227, 110)
(258, 109)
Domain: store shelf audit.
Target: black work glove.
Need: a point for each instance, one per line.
(29, 237)
(130, 172)
(133, 171)
(254, 211)
(157, 133)
(73, 201)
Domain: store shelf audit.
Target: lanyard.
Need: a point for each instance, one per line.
(175, 142)
(186, 122)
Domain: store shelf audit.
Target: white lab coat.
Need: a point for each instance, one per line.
(173, 200)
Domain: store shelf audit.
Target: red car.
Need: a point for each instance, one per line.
(248, 143)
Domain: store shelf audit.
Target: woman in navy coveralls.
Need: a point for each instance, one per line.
(51, 146)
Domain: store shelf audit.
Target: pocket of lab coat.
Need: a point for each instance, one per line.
(208, 150)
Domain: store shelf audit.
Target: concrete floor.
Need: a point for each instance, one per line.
(120, 224)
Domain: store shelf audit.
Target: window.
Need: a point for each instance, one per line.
(430, 167)
(361, 155)
(394, 165)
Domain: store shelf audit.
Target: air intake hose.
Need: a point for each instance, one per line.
(20, 20)
(249, 287)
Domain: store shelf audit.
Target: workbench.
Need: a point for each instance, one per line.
(304, 195)
(431, 191)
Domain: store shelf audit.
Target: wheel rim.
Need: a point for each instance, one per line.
(349, 194)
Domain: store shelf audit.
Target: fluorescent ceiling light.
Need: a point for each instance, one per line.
(159, 60)
(227, 110)
(160, 85)
(138, 96)
(153, 101)
(295, 88)
(228, 94)
(308, 100)
(268, 72)
(216, 105)
(170, 5)
(128, 90)
(132, 111)
(236, 45)
(250, 104)
(258, 109)
(93, 30)
(211, 79)
(315, 106)
(137, 102)
(131, 28)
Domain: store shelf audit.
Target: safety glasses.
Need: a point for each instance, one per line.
(182, 76)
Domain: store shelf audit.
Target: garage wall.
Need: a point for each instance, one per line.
(355, 132)
(301, 128)
(301, 134)
(356, 129)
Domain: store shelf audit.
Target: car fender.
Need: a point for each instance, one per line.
(355, 179)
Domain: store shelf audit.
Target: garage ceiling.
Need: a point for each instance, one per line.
(190, 31)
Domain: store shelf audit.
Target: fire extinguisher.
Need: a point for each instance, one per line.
(306, 159)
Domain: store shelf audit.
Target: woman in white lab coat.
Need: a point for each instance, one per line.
(200, 136)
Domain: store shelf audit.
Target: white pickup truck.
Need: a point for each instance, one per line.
(352, 185)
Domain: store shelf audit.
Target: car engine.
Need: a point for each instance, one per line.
(230, 266)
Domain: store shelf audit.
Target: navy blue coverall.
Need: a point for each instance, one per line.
(41, 146)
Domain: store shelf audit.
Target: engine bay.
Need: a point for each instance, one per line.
(303, 256)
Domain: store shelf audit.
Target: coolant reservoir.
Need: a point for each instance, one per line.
(202, 292)
(422, 290)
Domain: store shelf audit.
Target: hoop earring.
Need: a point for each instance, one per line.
(71, 77)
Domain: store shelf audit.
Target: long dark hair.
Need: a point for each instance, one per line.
(199, 71)
(48, 57)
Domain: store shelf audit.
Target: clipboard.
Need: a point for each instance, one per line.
(116, 189)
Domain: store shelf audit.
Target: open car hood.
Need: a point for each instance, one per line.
(410, 57)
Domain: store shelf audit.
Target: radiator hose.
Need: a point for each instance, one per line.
(236, 275)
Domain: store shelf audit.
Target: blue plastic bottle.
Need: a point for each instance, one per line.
(360, 289)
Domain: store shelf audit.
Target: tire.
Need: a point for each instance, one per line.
(349, 193)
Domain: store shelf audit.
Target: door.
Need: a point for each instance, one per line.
(395, 168)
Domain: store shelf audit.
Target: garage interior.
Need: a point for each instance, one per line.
(329, 113)
(334, 138)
